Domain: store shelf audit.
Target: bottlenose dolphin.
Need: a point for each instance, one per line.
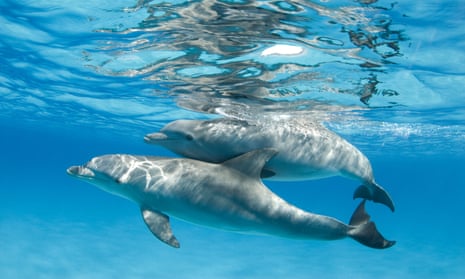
(306, 150)
(228, 196)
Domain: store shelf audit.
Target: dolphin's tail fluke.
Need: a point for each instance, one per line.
(364, 231)
(375, 193)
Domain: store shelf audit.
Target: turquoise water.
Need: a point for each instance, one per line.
(80, 80)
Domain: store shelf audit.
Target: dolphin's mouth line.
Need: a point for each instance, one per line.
(80, 171)
(159, 137)
(155, 137)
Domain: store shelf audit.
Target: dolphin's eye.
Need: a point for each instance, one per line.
(189, 137)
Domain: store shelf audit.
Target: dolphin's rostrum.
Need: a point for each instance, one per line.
(228, 195)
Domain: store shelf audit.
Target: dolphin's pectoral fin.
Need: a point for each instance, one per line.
(364, 231)
(159, 224)
(266, 173)
(375, 193)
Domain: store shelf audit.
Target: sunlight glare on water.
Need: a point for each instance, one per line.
(116, 60)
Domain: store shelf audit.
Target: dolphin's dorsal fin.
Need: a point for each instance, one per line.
(266, 173)
(252, 162)
(159, 224)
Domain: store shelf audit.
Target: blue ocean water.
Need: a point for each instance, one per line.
(79, 80)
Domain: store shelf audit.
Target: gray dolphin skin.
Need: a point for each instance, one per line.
(306, 150)
(228, 196)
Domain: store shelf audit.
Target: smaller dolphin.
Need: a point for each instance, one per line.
(228, 196)
(306, 150)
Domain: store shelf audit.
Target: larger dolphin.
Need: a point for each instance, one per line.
(306, 150)
(228, 196)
